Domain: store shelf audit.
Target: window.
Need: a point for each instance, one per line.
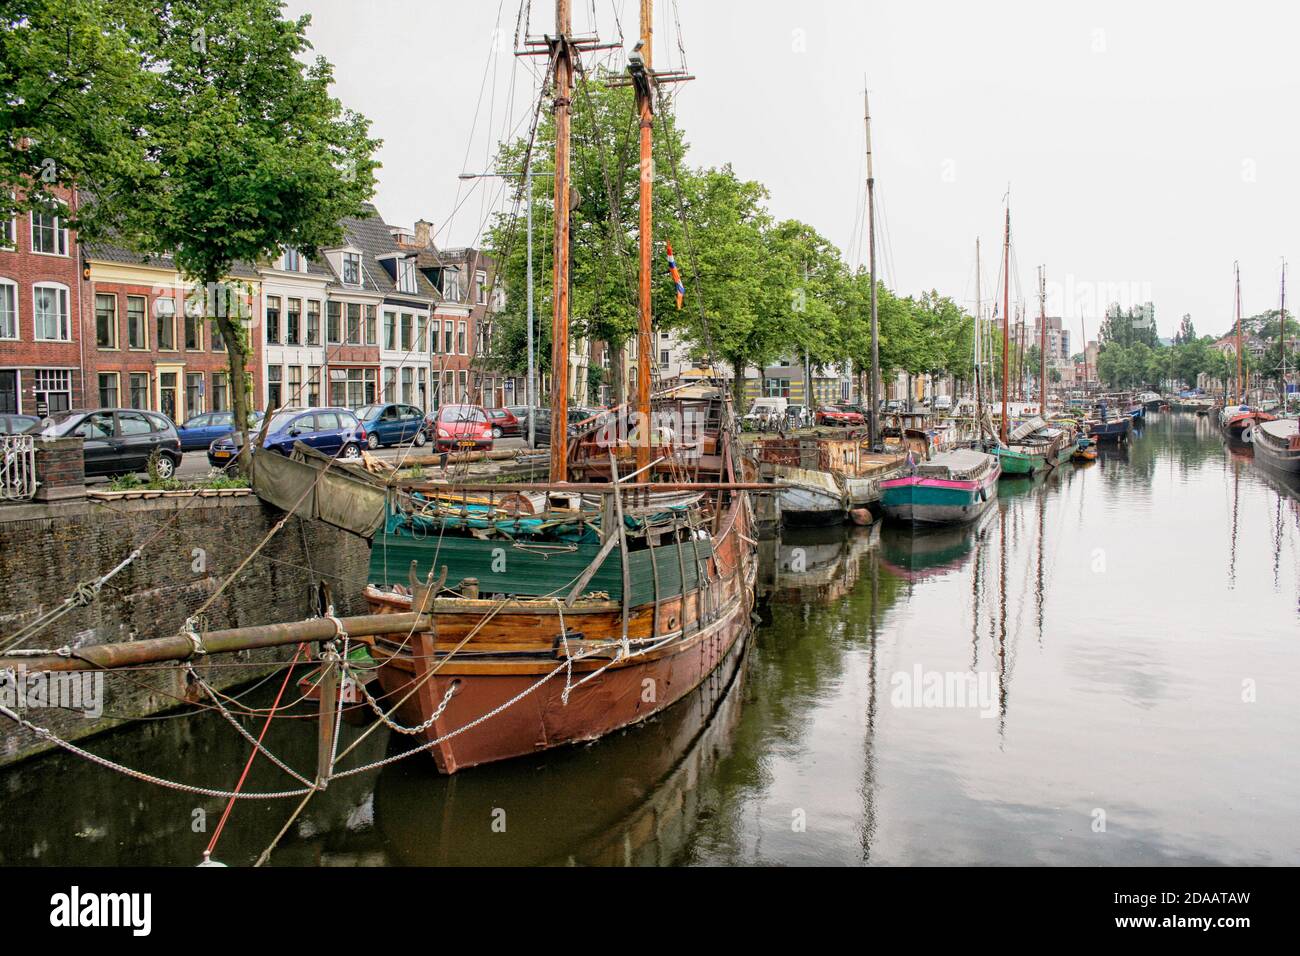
(353, 387)
(293, 321)
(390, 332)
(51, 313)
(274, 387)
(451, 284)
(423, 386)
(164, 313)
(435, 335)
(480, 287)
(390, 384)
(168, 398)
(406, 275)
(333, 332)
(9, 230)
(193, 332)
(193, 392)
(354, 323)
(420, 322)
(663, 358)
(461, 337)
(139, 391)
(407, 330)
(105, 321)
(464, 383)
(313, 385)
(372, 325)
(351, 268)
(8, 310)
(219, 398)
(408, 384)
(53, 387)
(132, 423)
(294, 397)
(313, 322)
(137, 333)
(48, 234)
(218, 341)
(99, 425)
(108, 396)
(292, 260)
(449, 337)
(273, 319)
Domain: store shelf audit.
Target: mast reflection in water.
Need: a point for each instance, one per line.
(1100, 671)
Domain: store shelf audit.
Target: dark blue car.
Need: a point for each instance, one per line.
(393, 424)
(202, 430)
(331, 431)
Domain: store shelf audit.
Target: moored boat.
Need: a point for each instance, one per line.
(1240, 421)
(951, 488)
(1277, 444)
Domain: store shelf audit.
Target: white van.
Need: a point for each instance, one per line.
(766, 410)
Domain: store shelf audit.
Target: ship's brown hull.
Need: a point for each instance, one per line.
(513, 667)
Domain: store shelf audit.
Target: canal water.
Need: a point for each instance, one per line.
(1101, 671)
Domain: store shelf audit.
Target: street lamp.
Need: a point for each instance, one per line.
(527, 175)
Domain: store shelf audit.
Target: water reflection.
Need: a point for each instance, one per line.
(1132, 620)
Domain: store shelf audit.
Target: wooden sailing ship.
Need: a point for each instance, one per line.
(591, 602)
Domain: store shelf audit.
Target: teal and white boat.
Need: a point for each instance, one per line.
(951, 488)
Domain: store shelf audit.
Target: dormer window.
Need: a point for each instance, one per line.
(351, 268)
(451, 290)
(406, 275)
(292, 260)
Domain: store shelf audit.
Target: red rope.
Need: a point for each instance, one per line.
(230, 804)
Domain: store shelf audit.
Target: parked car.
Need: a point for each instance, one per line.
(504, 422)
(202, 430)
(392, 424)
(331, 431)
(117, 441)
(576, 416)
(16, 424)
(462, 427)
(766, 413)
(839, 415)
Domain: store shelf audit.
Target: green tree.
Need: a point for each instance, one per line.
(249, 153)
(74, 97)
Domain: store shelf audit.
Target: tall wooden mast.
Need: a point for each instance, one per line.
(563, 107)
(644, 84)
(1006, 322)
(1241, 392)
(1281, 343)
(1042, 343)
(979, 356)
(874, 417)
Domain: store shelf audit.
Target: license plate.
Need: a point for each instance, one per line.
(221, 454)
(465, 444)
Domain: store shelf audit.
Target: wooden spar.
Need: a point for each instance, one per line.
(1281, 344)
(873, 417)
(1006, 321)
(644, 83)
(604, 488)
(179, 647)
(563, 54)
(622, 546)
(1042, 343)
(1241, 393)
(329, 700)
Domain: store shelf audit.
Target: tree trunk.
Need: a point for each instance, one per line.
(237, 351)
(738, 385)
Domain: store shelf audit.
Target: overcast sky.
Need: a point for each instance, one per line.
(1147, 146)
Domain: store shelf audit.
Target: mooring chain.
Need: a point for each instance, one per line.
(393, 725)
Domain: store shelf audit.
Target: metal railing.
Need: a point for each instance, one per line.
(17, 467)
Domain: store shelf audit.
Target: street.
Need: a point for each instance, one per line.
(195, 463)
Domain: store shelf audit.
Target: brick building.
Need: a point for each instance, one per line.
(41, 295)
(147, 344)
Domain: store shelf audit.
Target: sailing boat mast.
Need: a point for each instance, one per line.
(1241, 392)
(874, 417)
(979, 323)
(643, 79)
(1281, 342)
(1042, 343)
(1006, 319)
(563, 54)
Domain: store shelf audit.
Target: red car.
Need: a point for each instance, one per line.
(838, 415)
(504, 422)
(462, 427)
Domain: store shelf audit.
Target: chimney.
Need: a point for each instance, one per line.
(423, 233)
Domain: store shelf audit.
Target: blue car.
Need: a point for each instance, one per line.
(393, 424)
(331, 431)
(202, 430)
